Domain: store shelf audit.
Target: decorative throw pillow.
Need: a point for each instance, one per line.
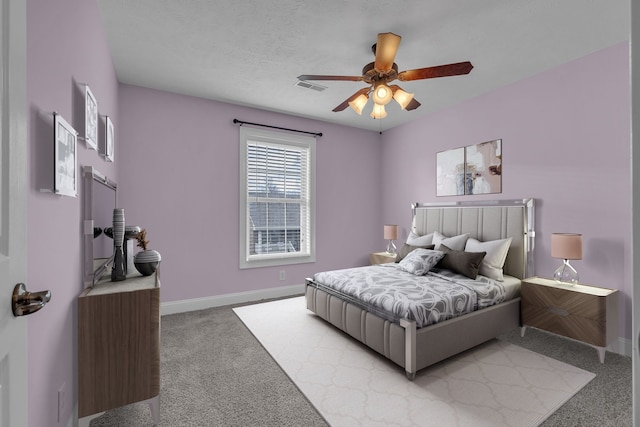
(466, 263)
(493, 262)
(455, 243)
(404, 251)
(420, 261)
(419, 241)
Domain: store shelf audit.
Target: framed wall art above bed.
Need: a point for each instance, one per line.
(474, 169)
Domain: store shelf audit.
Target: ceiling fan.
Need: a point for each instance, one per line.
(382, 71)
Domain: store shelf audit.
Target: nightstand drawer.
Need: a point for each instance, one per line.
(564, 300)
(561, 321)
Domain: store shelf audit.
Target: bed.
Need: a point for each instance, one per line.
(409, 339)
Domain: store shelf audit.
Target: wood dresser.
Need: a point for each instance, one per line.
(119, 345)
(581, 312)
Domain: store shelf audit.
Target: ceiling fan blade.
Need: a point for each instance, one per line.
(456, 69)
(346, 102)
(386, 49)
(320, 77)
(413, 105)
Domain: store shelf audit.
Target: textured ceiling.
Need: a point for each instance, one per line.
(250, 52)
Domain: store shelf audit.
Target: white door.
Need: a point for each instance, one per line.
(13, 212)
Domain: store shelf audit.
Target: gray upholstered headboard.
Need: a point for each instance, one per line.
(485, 220)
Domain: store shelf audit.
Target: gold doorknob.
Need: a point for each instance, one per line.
(24, 302)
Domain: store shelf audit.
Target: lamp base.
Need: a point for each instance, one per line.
(391, 248)
(566, 274)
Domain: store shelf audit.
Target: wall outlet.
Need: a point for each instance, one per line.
(283, 275)
(61, 401)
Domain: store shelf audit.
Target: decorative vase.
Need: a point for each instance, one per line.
(117, 271)
(146, 261)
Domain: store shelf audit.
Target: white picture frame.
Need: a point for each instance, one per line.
(66, 157)
(90, 119)
(109, 139)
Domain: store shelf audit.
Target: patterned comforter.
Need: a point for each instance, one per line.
(393, 293)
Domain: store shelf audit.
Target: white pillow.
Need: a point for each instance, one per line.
(420, 261)
(455, 243)
(415, 240)
(491, 265)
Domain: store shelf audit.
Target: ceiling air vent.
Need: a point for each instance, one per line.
(312, 86)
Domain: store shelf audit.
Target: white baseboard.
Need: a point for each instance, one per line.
(74, 422)
(625, 347)
(227, 299)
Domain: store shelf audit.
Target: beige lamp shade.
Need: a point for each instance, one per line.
(390, 232)
(566, 245)
(358, 104)
(403, 98)
(378, 112)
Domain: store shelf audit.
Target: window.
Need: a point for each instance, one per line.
(277, 174)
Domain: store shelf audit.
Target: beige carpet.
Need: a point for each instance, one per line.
(495, 384)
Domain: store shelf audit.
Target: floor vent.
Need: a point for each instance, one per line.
(307, 85)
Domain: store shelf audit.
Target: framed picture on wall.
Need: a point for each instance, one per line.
(66, 159)
(483, 167)
(109, 139)
(474, 169)
(450, 172)
(90, 119)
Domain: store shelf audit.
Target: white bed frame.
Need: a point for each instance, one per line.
(412, 348)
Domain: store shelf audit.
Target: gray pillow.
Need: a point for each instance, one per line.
(420, 261)
(404, 251)
(465, 263)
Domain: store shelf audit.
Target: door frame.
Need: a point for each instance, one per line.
(13, 254)
(634, 63)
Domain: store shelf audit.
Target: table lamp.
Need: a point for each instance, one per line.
(566, 246)
(391, 234)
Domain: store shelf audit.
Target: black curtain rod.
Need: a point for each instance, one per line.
(276, 127)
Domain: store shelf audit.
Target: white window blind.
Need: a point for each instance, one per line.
(276, 198)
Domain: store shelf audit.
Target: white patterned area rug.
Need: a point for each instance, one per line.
(495, 384)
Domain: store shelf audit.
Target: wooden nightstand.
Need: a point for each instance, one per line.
(381, 258)
(581, 312)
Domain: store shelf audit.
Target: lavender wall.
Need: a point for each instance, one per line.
(178, 166)
(66, 46)
(565, 142)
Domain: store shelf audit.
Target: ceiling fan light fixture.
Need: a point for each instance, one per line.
(381, 73)
(378, 112)
(358, 104)
(382, 94)
(403, 98)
